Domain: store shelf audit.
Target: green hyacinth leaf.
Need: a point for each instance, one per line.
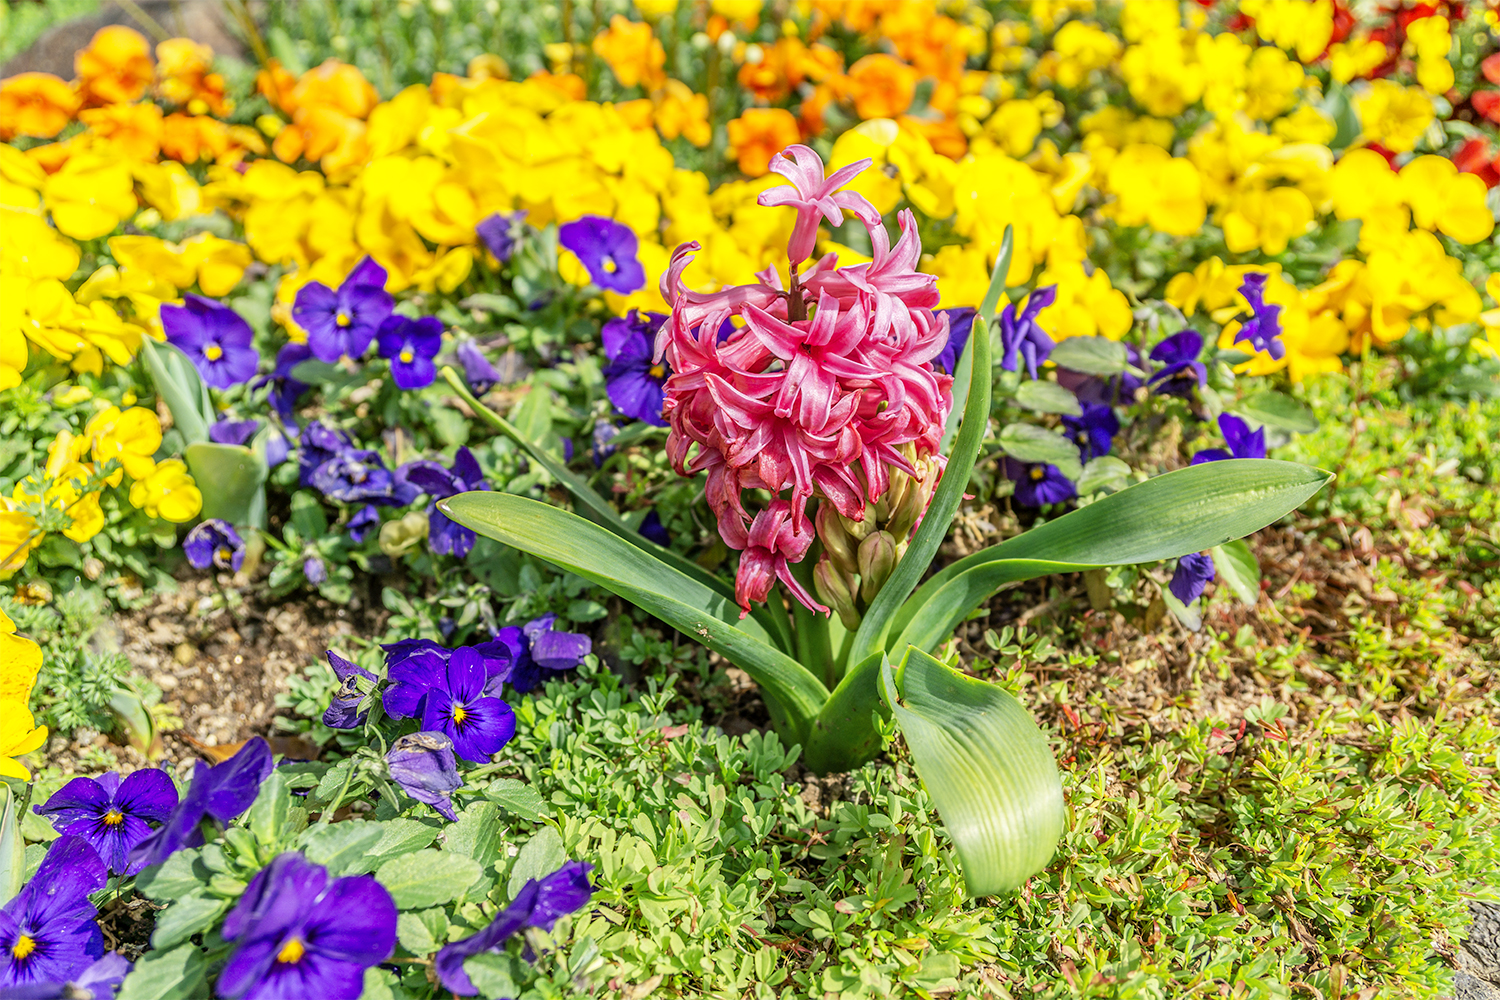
(179, 384)
(987, 766)
(230, 477)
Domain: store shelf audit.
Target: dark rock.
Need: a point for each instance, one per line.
(1479, 956)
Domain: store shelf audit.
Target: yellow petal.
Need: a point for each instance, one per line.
(13, 769)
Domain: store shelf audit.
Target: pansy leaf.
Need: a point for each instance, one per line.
(188, 915)
(1090, 355)
(1103, 472)
(1238, 569)
(539, 857)
(1277, 409)
(1048, 397)
(987, 767)
(340, 846)
(518, 798)
(427, 877)
(175, 974)
(1030, 443)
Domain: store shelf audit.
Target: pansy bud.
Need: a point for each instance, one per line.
(833, 590)
(836, 541)
(423, 765)
(877, 557)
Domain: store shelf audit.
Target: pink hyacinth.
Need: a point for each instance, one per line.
(814, 391)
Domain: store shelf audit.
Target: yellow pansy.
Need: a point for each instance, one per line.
(1086, 306)
(1441, 198)
(1265, 219)
(20, 660)
(19, 734)
(129, 437)
(219, 263)
(1432, 40)
(168, 492)
(1154, 188)
(1293, 24)
(91, 195)
(1272, 82)
(1393, 115)
(32, 249)
(1356, 57)
(1490, 319)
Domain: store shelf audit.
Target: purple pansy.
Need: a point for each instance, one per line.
(456, 705)
(608, 250)
(501, 232)
(634, 381)
(315, 570)
(539, 904)
(1193, 572)
(1181, 371)
(285, 390)
(1093, 431)
(1242, 441)
(444, 535)
(214, 543)
(652, 529)
(423, 765)
(215, 337)
(227, 431)
(357, 475)
(112, 815)
(1262, 330)
(604, 433)
(960, 325)
(299, 934)
(1021, 339)
(548, 652)
(220, 792)
(100, 981)
(343, 710)
(47, 932)
(410, 345)
(478, 372)
(1038, 483)
(364, 519)
(343, 322)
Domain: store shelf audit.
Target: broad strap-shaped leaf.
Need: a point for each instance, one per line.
(179, 383)
(231, 478)
(603, 512)
(844, 734)
(1189, 510)
(945, 499)
(699, 612)
(987, 767)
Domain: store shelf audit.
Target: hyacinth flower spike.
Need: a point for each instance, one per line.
(815, 197)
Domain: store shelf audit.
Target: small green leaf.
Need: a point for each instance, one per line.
(167, 975)
(398, 837)
(1277, 409)
(1048, 397)
(307, 514)
(180, 874)
(493, 974)
(1030, 443)
(1090, 355)
(477, 834)
(423, 931)
(542, 855)
(1191, 615)
(339, 847)
(230, 476)
(427, 877)
(1104, 472)
(188, 915)
(270, 818)
(518, 798)
(1238, 569)
(987, 767)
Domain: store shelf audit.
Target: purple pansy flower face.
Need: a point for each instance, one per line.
(1191, 576)
(1242, 441)
(357, 475)
(424, 766)
(1038, 484)
(634, 381)
(112, 815)
(410, 345)
(1094, 431)
(1262, 330)
(314, 569)
(478, 372)
(343, 711)
(456, 706)
(960, 325)
(539, 904)
(298, 934)
(47, 932)
(548, 652)
(220, 792)
(214, 543)
(1022, 341)
(501, 232)
(214, 337)
(608, 251)
(1182, 371)
(364, 519)
(343, 322)
(227, 431)
(444, 535)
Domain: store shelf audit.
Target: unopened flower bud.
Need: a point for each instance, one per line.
(859, 530)
(877, 557)
(833, 590)
(397, 537)
(836, 541)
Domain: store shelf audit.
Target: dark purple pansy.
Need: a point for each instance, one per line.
(410, 345)
(298, 934)
(960, 324)
(501, 232)
(47, 932)
(1242, 441)
(652, 529)
(359, 476)
(608, 251)
(285, 390)
(444, 535)
(215, 337)
(315, 570)
(227, 431)
(1022, 341)
(1262, 329)
(364, 519)
(112, 815)
(539, 904)
(220, 792)
(1038, 484)
(100, 981)
(548, 651)
(1093, 431)
(343, 322)
(1193, 572)
(1181, 370)
(319, 443)
(478, 372)
(456, 705)
(423, 765)
(277, 447)
(214, 543)
(634, 381)
(343, 710)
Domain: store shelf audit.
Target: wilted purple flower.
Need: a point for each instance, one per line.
(501, 232)
(1038, 483)
(1094, 431)
(1262, 330)
(1193, 572)
(539, 904)
(604, 433)
(1182, 370)
(357, 476)
(410, 345)
(47, 932)
(1242, 441)
(652, 529)
(112, 815)
(444, 535)
(100, 981)
(635, 381)
(364, 519)
(548, 652)
(960, 325)
(478, 372)
(343, 710)
(227, 431)
(423, 765)
(456, 705)
(220, 792)
(344, 321)
(214, 543)
(315, 571)
(1021, 339)
(285, 390)
(215, 337)
(607, 249)
(299, 935)
(318, 444)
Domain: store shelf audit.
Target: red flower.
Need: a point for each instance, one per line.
(1476, 157)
